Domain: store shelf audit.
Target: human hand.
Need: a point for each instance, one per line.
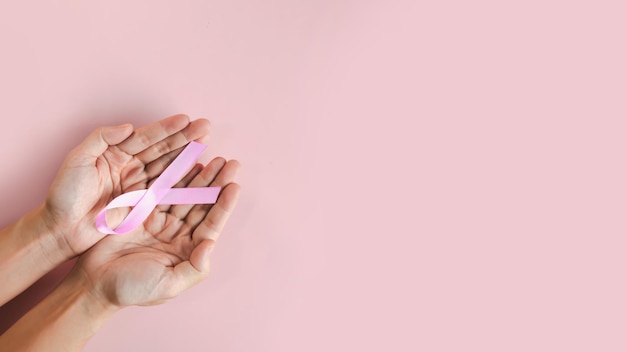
(109, 162)
(169, 252)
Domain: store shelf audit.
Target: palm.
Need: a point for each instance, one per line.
(130, 269)
(89, 189)
(148, 264)
(87, 182)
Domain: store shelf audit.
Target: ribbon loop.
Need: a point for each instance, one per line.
(160, 192)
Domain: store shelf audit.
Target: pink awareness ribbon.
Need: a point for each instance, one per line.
(161, 192)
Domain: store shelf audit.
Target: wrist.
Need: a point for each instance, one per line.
(28, 250)
(52, 234)
(86, 295)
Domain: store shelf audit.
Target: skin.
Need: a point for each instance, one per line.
(168, 254)
(112, 161)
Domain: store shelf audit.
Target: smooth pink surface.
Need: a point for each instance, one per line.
(417, 175)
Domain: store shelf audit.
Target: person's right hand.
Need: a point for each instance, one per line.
(109, 162)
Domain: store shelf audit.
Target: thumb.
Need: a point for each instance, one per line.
(100, 139)
(191, 272)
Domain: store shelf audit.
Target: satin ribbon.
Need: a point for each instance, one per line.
(161, 192)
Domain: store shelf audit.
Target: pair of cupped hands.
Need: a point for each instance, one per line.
(170, 251)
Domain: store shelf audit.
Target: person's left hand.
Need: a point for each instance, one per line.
(169, 252)
(109, 162)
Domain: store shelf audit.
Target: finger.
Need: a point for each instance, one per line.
(155, 168)
(203, 179)
(191, 272)
(195, 170)
(195, 130)
(226, 176)
(97, 142)
(149, 135)
(214, 221)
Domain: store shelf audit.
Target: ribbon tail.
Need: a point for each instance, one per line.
(160, 192)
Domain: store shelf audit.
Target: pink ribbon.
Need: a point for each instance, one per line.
(161, 192)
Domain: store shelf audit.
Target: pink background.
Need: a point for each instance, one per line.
(417, 175)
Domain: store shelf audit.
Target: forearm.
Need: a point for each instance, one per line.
(64, 321)
(28, 250)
